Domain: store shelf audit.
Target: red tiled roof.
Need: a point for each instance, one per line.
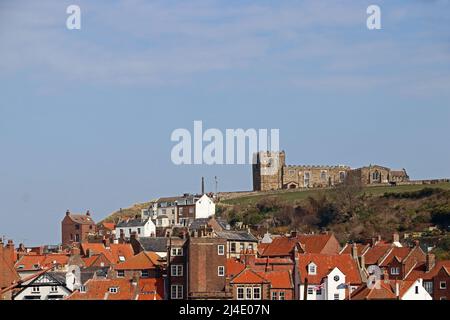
(279, 279)
(374, 253)
(112, 253)
(283, 246)
(38, 262)
(99, 289)
(420, 270)
(399, 253)
(360, 248)
(325, 264)
(249, 276)
(385, 291)
(141, 261)
(109, 225)
(234, 267)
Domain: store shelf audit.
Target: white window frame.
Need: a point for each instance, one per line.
(113, 290)
(176, 291)
(177, 252)
(282, 295)
(312, 268)
(256, 293)
(176, 270)
(221, 271)
(442, 285)
(221, 249)
(240, 293)
(395, 271)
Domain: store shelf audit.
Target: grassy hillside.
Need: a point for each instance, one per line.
(290, 196)
(352, 213)
(127, 212)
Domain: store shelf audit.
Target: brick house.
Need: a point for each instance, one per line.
(8, 274)
(177, 268)
(76, 228)
(207, 268)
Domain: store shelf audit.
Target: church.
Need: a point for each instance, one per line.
(270, 172)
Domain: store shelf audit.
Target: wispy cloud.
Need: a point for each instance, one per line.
(317, 43)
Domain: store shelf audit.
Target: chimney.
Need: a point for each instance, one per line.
(397, 289)
(67, 212)
(430, 261)
(134, 236)
(74, 251)
(10, 247)
(362, 262)
(106, 242)
(395, 237)
(354, 251)
(203, 185)
(293, 234)
(386, 276)
(88, 213)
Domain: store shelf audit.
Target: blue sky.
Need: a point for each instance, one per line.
(86, 115)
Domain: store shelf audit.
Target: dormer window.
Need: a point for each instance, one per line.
(312, 269)
(121, 258)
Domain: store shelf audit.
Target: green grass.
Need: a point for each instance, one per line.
(290, 196)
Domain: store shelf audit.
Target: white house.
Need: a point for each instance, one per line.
(328, 277)
(45, 286)
(142, 227)
(416, 291)
(204, 207)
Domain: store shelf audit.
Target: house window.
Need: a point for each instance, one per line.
(341, 176)
(121, 273)
(395, 271)
(82, 289)
(177, 252)
(35, 289)
(310, 290)
(241, 247)
(443, 298)
(77, 227)
(282, 295)
(233, 247)
(77, 238)
(256, 293)
(248, 295)
(113, 290)
(191, 210)
(336, 296)
(220, 249)
(417, 289)
(54, 289)
(428, 285)
(144, 274)
(319, 291)
(250, 247)
(139, 230)
(323, 176)
(177, 270)
(274, 295)
(121, 258)
(312, 269)
(240, 293)
(221, 271)
(176, 291)
(442, 285)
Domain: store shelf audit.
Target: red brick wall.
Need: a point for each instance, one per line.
(441, 293)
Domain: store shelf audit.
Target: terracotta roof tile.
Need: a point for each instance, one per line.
(326, 263)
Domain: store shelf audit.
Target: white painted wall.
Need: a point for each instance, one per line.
(147, 230)
(204, 207)
(411, 294)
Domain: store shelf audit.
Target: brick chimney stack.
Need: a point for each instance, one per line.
(395, 237)
(430, 261)
(88, 213)
(67, 212)
(354, 251)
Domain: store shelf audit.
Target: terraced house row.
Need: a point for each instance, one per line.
(209, 260)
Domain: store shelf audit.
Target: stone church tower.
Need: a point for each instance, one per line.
(268, 170)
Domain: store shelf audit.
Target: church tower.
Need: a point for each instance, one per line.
(268, 170)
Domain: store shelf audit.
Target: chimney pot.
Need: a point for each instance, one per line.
(88, 213)
(67, 212)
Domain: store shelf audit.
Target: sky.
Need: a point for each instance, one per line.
(86, 115)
